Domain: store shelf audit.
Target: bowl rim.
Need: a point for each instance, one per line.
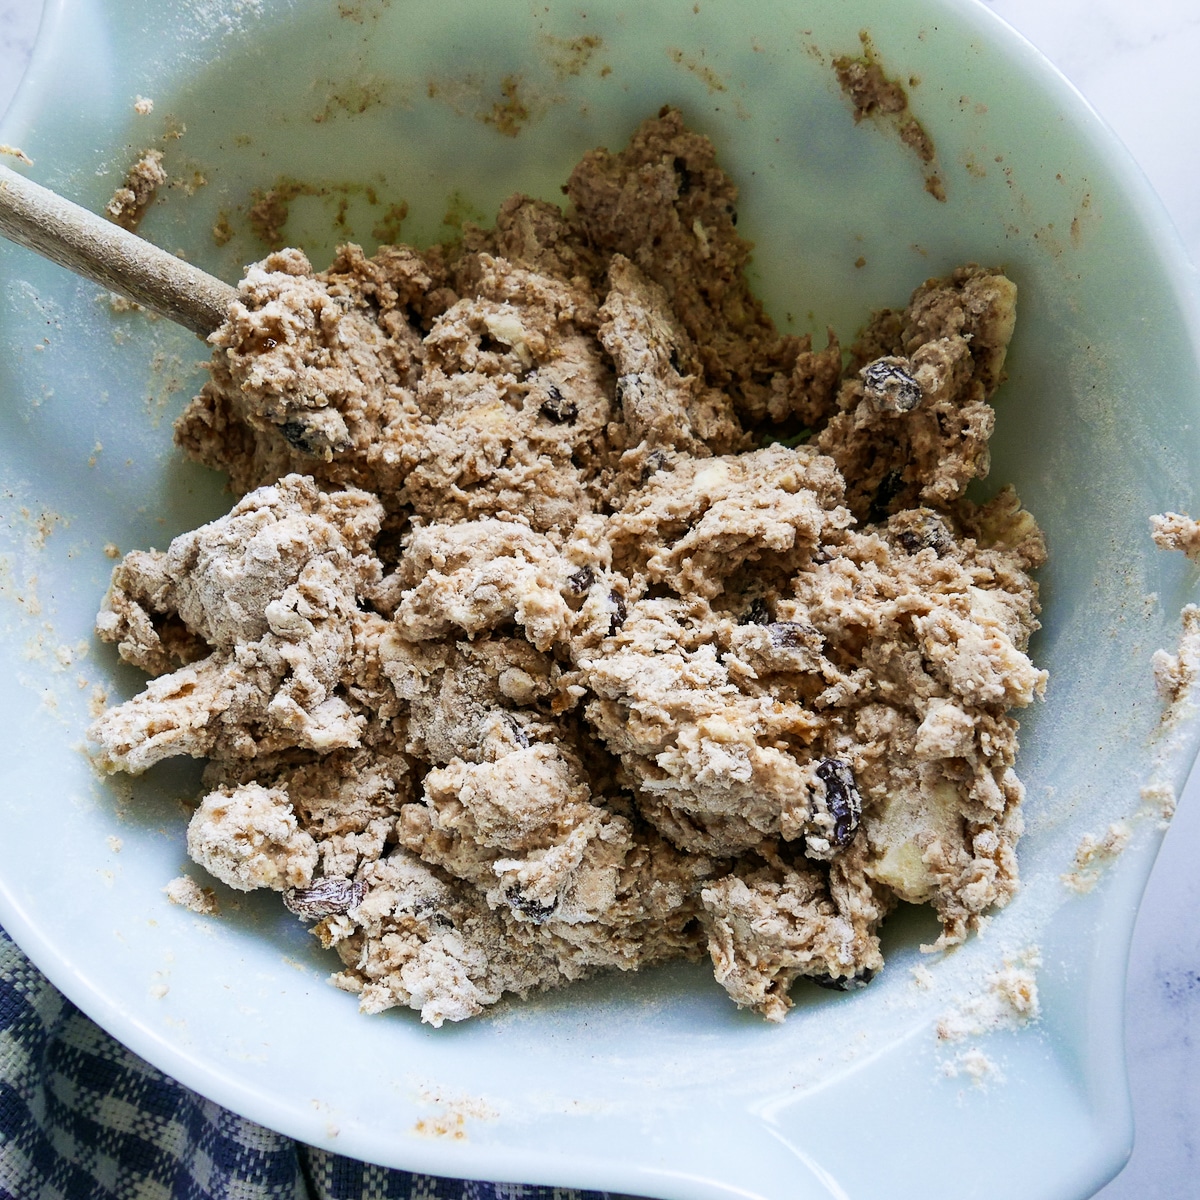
(1108, 1089)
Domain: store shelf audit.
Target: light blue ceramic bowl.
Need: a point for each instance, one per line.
(652, 1084)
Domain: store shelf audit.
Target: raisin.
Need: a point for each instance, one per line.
(841, 798)
(655, 461)
(685, 176)
(924, 533)
(889, 489)
(325, 898)
(426, 909)
(790, 634)
(557, 408)
(296, 434)
(581, 580)
(889, 386)
(535, 910)
(620, 612)
(851, 984)
(518, 731)
(757, 614)
(624, 382)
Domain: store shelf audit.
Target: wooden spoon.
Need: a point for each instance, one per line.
(39, 219)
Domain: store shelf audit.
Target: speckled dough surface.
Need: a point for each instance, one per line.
(573, 618)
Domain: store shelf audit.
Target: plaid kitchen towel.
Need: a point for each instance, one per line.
(82, 1118)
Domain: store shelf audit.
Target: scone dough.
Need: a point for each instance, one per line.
(536, 645)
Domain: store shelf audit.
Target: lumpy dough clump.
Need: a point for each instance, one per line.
(572, 618)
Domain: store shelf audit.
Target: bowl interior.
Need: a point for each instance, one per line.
(378, 121)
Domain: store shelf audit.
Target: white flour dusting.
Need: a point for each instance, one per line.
(1007, 1000)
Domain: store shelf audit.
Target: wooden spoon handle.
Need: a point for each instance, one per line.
(37, 218)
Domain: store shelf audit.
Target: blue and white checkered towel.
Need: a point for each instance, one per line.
(82, 1118)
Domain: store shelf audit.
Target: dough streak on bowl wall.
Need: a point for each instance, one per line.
(572, 618)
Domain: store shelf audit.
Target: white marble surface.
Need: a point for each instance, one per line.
(1135, 60)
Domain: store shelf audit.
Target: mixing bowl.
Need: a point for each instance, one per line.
(378, 119)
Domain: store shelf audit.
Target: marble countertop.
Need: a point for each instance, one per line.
(1125, 57)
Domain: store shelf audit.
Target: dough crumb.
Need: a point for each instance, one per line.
(922, 977)
(130, 201)
(1159, 799)
(187, 893)
(1176, 674)
(1174, 531)
(248, 838)
(1094, 854)
(16, 152)
(122, 304)
(873, 95)
(975, 1065)
(143, 106)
